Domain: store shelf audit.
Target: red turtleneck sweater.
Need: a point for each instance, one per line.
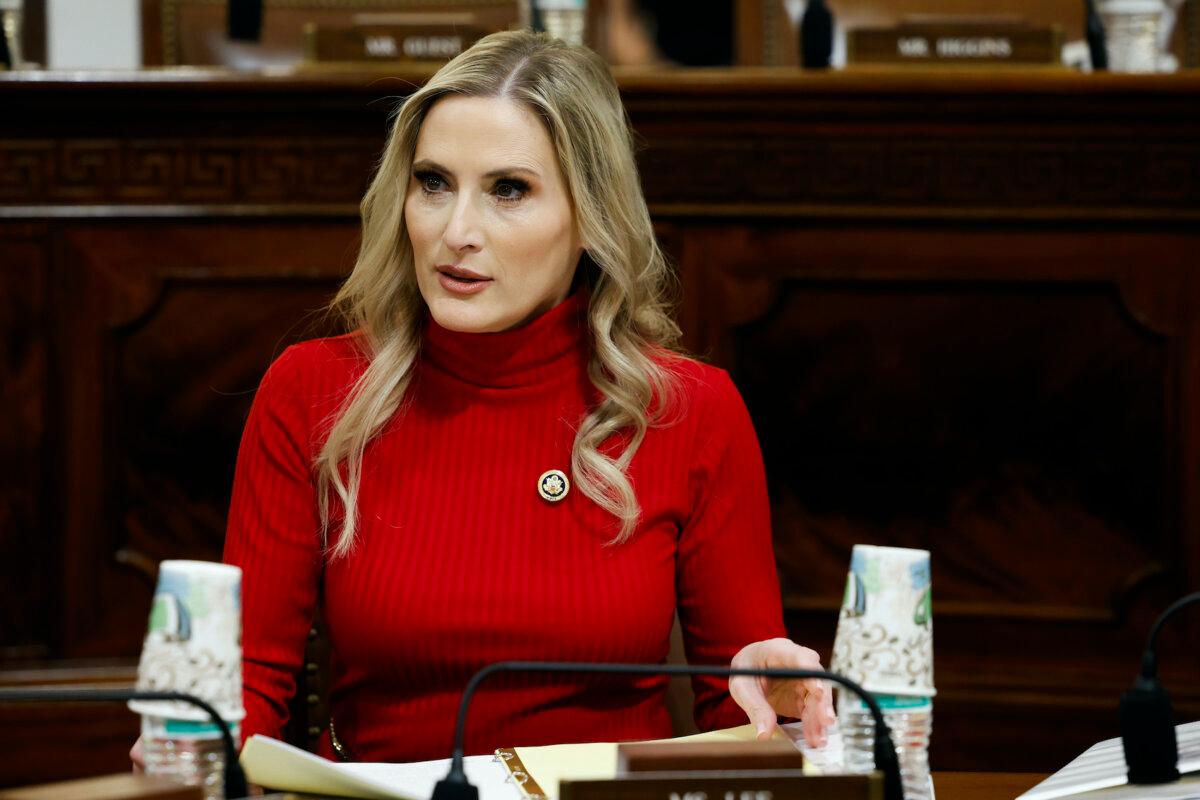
(461, 563)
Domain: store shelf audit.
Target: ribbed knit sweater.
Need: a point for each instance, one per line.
(460, 562)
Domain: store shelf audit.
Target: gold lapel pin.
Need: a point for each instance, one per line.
(553, 485)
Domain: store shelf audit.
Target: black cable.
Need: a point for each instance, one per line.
(1150, 654)
(235, 779)
(456, 787)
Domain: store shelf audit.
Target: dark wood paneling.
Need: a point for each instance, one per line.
(24, 446)
(1049, 429)
(172, 327)
(43, 743)
(1005, 396)
(962, 308)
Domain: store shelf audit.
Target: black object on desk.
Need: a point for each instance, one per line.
(1147, 719)
(816, 35)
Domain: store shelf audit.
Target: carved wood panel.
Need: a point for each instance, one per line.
(25, 464)
(1003, 397)
(164, 171)
(178, 322)
(979, 420)
(924, 171)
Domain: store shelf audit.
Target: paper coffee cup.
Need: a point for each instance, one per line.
(194, 641)
(884, 637)
(1131, 29)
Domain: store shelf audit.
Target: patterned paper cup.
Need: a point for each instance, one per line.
(885, 632)
(1131, 30)
(194, 641)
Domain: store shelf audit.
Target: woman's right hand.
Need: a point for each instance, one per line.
(135, 755)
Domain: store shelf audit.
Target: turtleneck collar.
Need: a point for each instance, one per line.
(534, 353)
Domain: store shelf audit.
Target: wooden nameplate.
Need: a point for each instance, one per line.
(640, 757)
(732, 785)
(719, 771)
(394, 37)
(947, 41)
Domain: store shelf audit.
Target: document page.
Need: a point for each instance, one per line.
(1102, 766)
(278, 765)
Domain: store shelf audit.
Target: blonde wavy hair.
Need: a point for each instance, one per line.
(632, 335)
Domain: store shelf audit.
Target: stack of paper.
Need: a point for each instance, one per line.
(277, 765)
(1100, 774)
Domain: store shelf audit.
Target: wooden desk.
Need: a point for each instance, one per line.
(949, 786)
(983, 785)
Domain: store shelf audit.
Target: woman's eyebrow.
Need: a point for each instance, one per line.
(425, 165)
(504, 172)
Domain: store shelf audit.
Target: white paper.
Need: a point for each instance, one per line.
(1102, 766)
(278, 765)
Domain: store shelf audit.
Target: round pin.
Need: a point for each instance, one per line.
(553, 485)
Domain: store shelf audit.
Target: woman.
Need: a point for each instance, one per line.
(505, 459)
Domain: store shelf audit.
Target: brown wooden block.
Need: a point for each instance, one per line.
(638, 757)
(762, 785)
(124, 786)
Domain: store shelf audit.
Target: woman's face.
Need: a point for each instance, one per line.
(491, 224)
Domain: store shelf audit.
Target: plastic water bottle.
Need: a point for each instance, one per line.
(909, 719)
(186, 752)
(564, 19)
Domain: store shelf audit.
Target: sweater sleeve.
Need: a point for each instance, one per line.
(273, 535)
(728, 589)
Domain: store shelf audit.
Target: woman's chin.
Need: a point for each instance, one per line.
(466, 315)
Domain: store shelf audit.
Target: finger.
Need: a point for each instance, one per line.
(810, 692)
(813, 721)
(808, 658)
(747, 693)
(822, 694)
(135, 756)
(827, 707)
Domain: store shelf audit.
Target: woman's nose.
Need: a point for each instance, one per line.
(463, 229)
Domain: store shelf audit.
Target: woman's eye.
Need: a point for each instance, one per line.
(430, 182)
(511, 191)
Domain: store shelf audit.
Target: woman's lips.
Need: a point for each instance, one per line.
(457, 280)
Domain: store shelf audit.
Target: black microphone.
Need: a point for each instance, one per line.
(455, 785)
(235, 779)
(1094, 32)
(816, 35)
(245, 19)
(7, 61)
(1147, 719)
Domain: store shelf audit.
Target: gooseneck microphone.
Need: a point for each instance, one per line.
(245, 20)
(1147, 719)
(1094, 33)
(235, 779)
(455, 785)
